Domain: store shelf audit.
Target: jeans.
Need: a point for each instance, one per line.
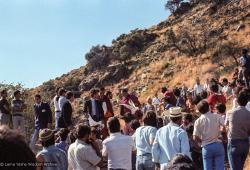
(4, 119)
(213, 156)
(34, 139)
(57, 117)
(144, 162)
(18, 123)
(237, 153)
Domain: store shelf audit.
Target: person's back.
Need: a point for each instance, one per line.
(54, 156)
(143, 136)
(82, 156)
(119, 149)
(239, 124)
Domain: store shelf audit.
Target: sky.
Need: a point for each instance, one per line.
(43, 39)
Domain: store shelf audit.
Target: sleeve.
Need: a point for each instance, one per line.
(210, 100)
(196, 129)
(91, 156)
(156, 150)
(133, 144)
(104, 149)
(185, 147)
(104, 107)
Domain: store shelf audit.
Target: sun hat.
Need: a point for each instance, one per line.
(46, 134)
(173, 112)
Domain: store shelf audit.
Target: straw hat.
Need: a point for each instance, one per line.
(173, 112)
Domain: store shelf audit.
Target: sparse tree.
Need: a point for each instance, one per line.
(173, 5)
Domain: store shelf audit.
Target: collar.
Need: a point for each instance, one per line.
(116, 134)
(173, 124)
(81, 142)
(49, 147)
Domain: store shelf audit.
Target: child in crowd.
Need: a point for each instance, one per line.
(187, 120)
(63, 135)
(189, 102)
(127, 130)
(95, 136)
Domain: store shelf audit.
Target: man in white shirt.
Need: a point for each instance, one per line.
(197, 87)
(56, 106)
(118, 148)
(83, 154)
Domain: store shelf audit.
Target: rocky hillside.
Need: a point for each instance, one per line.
(201, 38)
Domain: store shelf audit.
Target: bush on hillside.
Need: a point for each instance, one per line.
(98, 57)
(173, 5)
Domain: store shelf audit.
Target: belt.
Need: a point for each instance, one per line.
(17, 114)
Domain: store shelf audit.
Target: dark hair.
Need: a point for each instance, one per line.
(225, 80)
(164, 89)
(244, 51)
(82, 130)
(72, 136)
(17, 92)
(196, 100)
(135, 124)
(177, 92)
(57, 89)
(214, 88)
(243, 98)
(69, 94)
(38, 96)
(102, 89)
(125, 90)
(180, 162)
(150, 119)
(175, 119)
(188, 117)
(190, 129)
(61, 92)
(13, 148)
(114, 125)
(128, 117)
(63, 134)
(108, 93)
(48, 142)
(3, 91)
(96, 131)
(168, 99)
(93, 92)
(203, 107)
(203, 94)
(221, 108)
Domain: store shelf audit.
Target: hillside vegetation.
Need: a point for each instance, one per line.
(202, 39)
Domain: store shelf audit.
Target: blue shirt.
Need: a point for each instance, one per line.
(56, 156)
(63, 146)
(143, 136)
(169, 141)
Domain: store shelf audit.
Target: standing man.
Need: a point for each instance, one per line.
(238, 132)
(43, 118)
(62, 99)
(94, 108)
(83, 154)
(66, 112)
(57, 109)
(118, 148)
(18, 107)
(245, 66)
(198, 88)
(170, 140)
(4, 109)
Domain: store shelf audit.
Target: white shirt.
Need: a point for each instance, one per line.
(61, 101)
(248, 106)
(56, 104)
(198, 89)
(119, 149)
(82, 156)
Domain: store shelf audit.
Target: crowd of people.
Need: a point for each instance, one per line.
(202, 127)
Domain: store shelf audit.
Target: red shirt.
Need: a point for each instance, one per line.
(214, 99)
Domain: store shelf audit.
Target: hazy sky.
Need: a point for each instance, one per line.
(43, 39)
